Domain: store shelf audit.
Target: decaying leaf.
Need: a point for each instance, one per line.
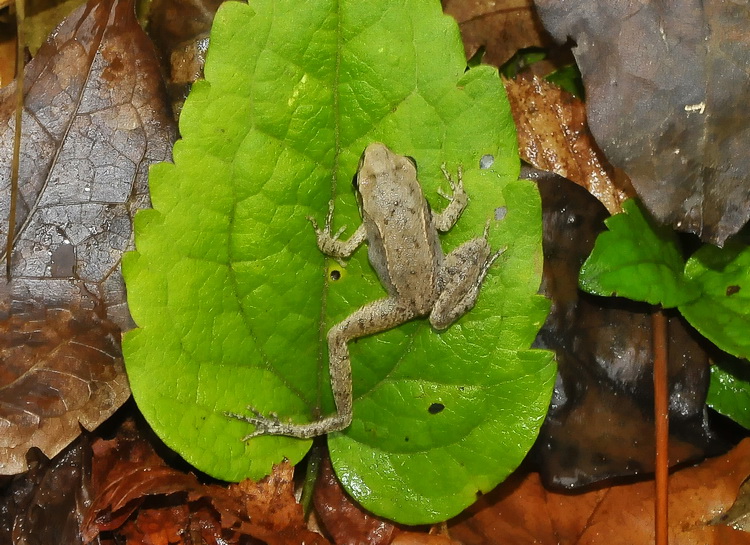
(667, 88)
(501, 27)
(58, 368)
(522, 512)
(600, 422)
(553, 136)
(94, 120)
(127, 472)
(46, 504)
(182, 41)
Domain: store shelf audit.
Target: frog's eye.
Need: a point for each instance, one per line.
(355, 181)
(412, 160)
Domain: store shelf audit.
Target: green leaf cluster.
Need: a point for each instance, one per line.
(233, 299)
(643, 261)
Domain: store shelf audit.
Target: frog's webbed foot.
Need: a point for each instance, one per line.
(271, 425)
(264, 425)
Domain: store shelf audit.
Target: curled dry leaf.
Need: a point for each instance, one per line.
(502, 27)
(553, 135)
(94, 120)
(522, 512)
(58, 368)
(179, 29)
(667, 88)
(127, 471)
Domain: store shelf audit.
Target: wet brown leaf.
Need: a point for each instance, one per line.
(521, 511)
(59, 370)
(667, 88)
(502, 27)
(600, 422)
(94, 120)
(553, 135)
(46, 504)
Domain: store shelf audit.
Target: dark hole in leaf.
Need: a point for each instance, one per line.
(335, 274)
(731, 290)
(436, 408)
(406, 439)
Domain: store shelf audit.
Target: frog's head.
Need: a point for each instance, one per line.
(382, 176)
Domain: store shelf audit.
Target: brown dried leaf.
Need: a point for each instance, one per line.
(47, 504)
(275, 516)
(94, 120)
(127, 471)
(502, 27)
(521, 511)
(58, 368)
(667, 88)
(553, 135)
(180, 31)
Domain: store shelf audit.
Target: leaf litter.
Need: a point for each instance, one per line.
(94, 120)
(481, 518)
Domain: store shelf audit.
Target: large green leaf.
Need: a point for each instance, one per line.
(637, 259)
(233, 299)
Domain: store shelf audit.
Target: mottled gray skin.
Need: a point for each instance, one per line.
(405, 251)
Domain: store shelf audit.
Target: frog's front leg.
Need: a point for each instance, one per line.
(460, 279)
(330, 244)
(372, 318)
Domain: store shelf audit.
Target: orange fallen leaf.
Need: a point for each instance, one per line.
(521, 511)
(553, 135)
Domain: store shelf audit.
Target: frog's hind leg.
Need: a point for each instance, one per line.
(460, 280)
(372, 318)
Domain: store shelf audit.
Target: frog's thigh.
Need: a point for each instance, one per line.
(460, 278)
(374, 317)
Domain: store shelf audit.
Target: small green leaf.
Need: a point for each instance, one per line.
(729, 391)
(722, 314)
(233, 299)
(569, 78)
(637, 259)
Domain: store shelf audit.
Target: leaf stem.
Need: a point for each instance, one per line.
(661, 420)
(17, 140)
(314, 459)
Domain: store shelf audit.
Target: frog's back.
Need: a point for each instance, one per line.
(403, 244)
